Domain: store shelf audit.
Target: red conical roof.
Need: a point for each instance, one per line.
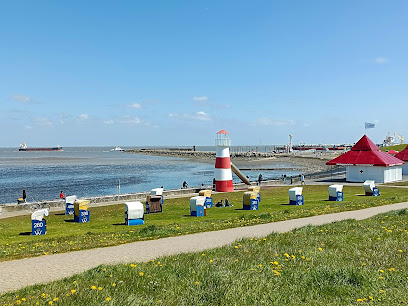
(365, 144)
(403, 155)
(365, 152)
(223, 132)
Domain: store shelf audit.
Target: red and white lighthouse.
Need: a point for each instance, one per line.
(222, 173)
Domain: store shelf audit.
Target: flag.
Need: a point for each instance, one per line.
(369, 125)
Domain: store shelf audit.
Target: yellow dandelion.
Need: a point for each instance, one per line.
(371, 298)
(108, 299)
(211, 261)
(99, 288)
(141, 273)
(55, 299)
(236, 247)
(236, 260)
(320, 249)
(400, 251)
(197, 283)
(203, 254)
(73, 291)
(382, 271)
(74, 282)
(18, 302)
(114, 285)
(93, 287)
(391, 269)
(133, 265)
(381, 277)
(286, 254)
(50, 302)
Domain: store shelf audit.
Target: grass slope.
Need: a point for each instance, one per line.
(398, 148)
(107, 223)
(343, 263)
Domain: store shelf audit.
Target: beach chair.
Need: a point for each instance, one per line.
(208, 198)
(250, 200)
(69, 204)
(197, 206)
(81, 212)
(336, 193)
(38, 222)
(295, 196)
(134, 214)
(370, 189)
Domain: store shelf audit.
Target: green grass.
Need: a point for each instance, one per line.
(398, 148)
(343, 263)
(107, 223)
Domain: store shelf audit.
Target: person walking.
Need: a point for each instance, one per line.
(260, 179)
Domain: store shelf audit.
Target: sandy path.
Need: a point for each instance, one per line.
(29, 271)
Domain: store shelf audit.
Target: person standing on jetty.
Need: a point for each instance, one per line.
(24, 196)
(185, 185)
(62, 195)
(302, 179)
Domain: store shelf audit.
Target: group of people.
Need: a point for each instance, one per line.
(24, 198)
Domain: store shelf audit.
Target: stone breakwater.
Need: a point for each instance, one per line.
(308, 163)
(197, 154)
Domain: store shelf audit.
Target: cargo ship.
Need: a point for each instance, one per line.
(23, 147)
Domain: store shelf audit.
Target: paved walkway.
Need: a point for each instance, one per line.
(29, 271)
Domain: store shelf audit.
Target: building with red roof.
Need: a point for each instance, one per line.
(392, 152)
(365, 161)
(403, 155)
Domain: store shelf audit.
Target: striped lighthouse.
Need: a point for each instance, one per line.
(222, 173)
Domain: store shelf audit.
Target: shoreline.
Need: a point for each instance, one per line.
(306, 162)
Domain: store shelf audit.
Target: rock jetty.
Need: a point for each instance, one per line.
(197, 154)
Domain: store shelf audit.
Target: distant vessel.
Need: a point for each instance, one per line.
(117, 149)
(23, 147)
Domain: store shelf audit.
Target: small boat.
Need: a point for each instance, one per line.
(117, 149)
(23, 147)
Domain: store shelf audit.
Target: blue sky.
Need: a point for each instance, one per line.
(135, 73)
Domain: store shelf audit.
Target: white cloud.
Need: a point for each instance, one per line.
(135, 105)
(381, 60)
(41, 121)
(200, 99)
(22, 99)
(274, 122)
(83, 117)
(202, 116)
(130, 120)
(27, 127)
(109, 121)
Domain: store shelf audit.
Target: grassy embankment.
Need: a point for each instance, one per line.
(343, 263)
(107, 223)
(398, 148)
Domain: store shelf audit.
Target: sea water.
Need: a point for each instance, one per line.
(96, 171)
